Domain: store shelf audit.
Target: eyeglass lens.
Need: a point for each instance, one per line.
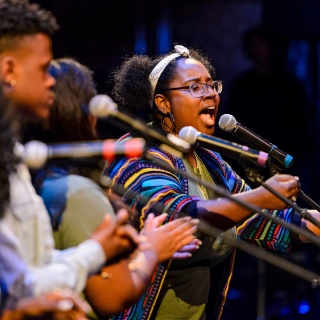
(200, 89)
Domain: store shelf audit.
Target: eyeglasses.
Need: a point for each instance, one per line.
(199, 90)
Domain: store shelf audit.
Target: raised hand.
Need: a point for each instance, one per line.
(167, 239)
(116, 236)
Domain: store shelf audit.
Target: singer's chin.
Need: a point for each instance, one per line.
(209, 130)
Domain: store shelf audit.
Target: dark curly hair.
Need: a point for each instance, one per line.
(20, 18)
(132, 88)
(8, 158)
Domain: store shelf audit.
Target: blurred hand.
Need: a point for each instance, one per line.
(165, 240)
(58, 304)
(116, 236)
(186, 251)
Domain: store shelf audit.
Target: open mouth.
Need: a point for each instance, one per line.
(208, 116)
(208, 111)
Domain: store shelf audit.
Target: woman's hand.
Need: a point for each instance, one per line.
(174, 237)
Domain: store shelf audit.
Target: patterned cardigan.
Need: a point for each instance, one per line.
(150, 184)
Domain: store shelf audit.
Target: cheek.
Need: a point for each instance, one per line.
(29, 89)
(185, 116)
(217, 100)
(28, 95)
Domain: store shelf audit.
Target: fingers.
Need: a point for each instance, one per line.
(63, 301)
(191, 246)
(115, 235)
(107, 220)
(181, 255)
(182, 230)
(150, 223)
(186, 251)
(129, 232)
(159, 220)
(286, 177)
(286, 184)
(290, 181)
(293, 199)
(185, 223)
(70, 299)
(122, 216)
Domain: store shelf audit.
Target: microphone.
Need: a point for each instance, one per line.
(36, 153)
(228, 123)
(102, 106)
(225, 147)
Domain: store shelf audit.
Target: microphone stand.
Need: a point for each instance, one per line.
(274, 169)
(308, 200)
(212, 231)
(222, 192)
(262, 254)
(255, 177)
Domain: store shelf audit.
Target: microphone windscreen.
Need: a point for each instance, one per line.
(189, 134)
(102, 106)
(35, 154)
(227, 122)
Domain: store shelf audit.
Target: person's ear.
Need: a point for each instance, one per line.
(7, 71)
(162, 103)
(93, 121)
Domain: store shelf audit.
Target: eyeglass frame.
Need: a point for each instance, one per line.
(214, 86)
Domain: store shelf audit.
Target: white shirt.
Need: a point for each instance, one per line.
(26, 223)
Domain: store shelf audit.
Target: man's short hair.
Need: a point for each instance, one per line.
(19, 18)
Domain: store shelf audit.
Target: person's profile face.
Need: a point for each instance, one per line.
(187, 110)
(32, 92)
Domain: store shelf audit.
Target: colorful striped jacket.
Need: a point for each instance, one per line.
(151, 184)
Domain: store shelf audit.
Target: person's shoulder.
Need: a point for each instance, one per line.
(78, 182)
(69, 183)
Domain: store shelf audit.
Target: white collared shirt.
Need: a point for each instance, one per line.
(26, 223)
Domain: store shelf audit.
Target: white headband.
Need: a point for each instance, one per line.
(157, 70)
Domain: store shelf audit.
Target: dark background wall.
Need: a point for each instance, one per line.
(99, 33)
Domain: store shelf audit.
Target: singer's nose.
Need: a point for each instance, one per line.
(210, 90)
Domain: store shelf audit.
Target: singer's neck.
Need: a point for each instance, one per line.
(192, 159)
(190, 156)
